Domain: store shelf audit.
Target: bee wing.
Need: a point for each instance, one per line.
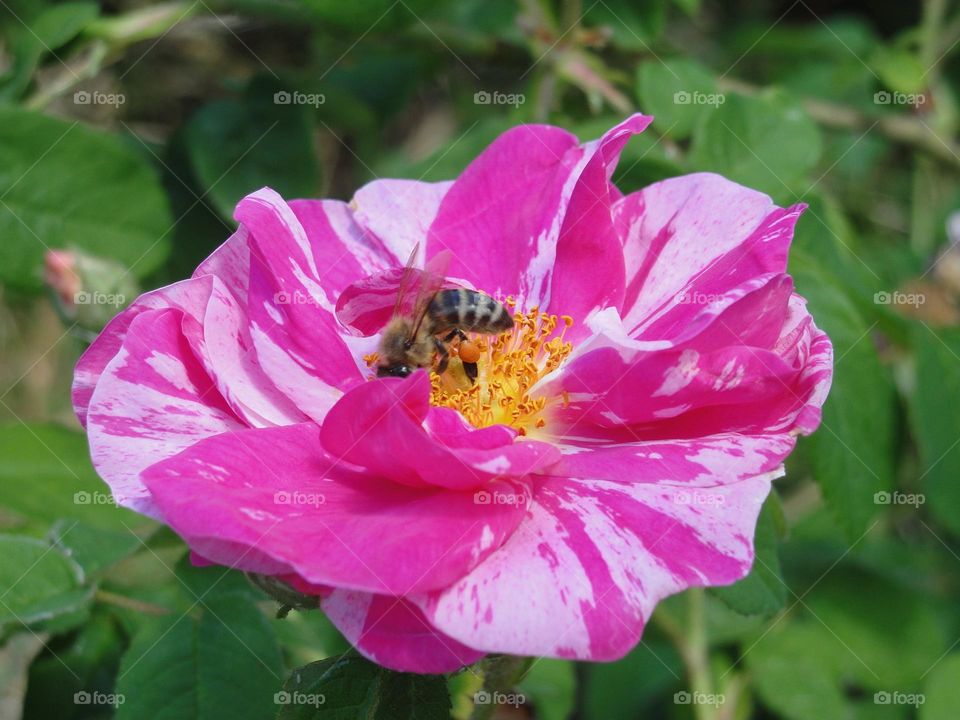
(367, 305)
(431, 280)
(406, 281)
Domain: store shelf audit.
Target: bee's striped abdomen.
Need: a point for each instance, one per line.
(470, 311)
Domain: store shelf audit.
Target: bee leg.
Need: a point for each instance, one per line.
(455, 333)
(471, 371)
(444, 356)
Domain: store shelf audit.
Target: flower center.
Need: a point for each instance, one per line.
(510, 364)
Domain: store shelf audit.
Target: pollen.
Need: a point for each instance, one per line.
(510, 365)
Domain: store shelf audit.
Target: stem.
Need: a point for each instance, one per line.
(500, 674)
(697, 652)
(105, 596)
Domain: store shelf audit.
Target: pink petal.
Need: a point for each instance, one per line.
(698, 233)
(399, 212)
(533, 205)
(188, 295)
(153, 399)
(272, 493)
(741, 365)
(293, 329)
(393, 632)
(588, 273)
(584, 571)
(388, 427)
(501, 217)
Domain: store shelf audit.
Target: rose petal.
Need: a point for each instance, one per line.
(393, 632)
(388, 427)
(584, 571)
(274, 491)
(697, 233)
(153, 399)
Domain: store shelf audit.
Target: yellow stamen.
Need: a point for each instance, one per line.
(510, 365)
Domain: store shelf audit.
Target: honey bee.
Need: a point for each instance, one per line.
(438, 318)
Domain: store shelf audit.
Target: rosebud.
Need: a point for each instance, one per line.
(88, 290)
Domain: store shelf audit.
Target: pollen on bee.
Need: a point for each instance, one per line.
(510, 364)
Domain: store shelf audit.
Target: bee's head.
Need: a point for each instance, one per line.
(394, 371)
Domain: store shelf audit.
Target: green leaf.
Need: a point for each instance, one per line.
(935, 421)
(64, 185)
(226, 664)
(624, 688)
(900, 69)
(237, 146)
(791, 677)
(942, 690)
(765, 141)
(883, 634)
(87, 660)
(50, 29)
(852, 453)
(763, 591)
(39, 583)
(350, 687)
(46, 475)
(677, 92)
(93, 549)
(550, 685)
(213, 581)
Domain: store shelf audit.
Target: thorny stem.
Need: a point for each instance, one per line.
(500, 674)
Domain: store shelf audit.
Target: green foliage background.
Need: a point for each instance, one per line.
(129, 129)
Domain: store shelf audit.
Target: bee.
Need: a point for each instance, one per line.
(438, 318)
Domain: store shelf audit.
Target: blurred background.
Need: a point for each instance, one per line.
(129, 129)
